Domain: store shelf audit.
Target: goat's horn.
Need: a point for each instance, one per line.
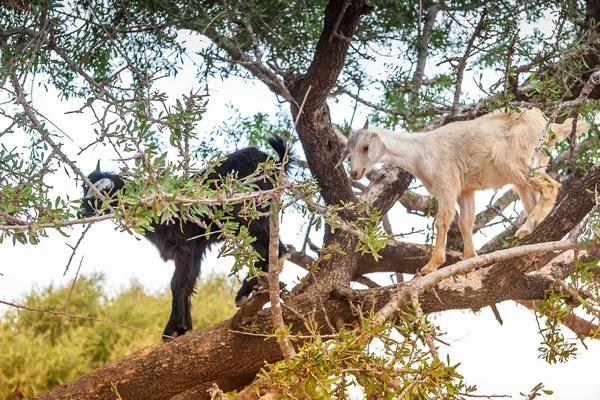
(98, 166)
(345, 155)
(366, 124)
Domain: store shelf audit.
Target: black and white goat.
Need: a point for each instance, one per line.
(186, 243)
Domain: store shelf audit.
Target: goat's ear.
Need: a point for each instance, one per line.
(345, 155)
(366, 124)
(376, 147)
(98, 166)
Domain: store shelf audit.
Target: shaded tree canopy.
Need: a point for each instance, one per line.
(408, 65)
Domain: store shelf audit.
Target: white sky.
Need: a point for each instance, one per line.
(498, 359)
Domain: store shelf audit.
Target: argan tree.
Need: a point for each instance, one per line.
(410, 65)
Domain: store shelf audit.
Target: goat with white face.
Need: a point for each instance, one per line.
(459, 158)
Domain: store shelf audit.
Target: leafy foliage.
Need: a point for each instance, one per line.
(72, 347)
(388, 360)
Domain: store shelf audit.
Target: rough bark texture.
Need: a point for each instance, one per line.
(319, 140)
(164, 370)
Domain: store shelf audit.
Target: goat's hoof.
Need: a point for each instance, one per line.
(256, 290)
(240, 301)
(281, 260)
(521, 232)
(169, 335)
(428, 269)
(168, 338)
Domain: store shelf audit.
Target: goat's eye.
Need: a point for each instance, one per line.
(366, 148)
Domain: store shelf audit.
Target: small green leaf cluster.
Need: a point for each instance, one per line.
(535, 392)
(373, 238)
(389, 360)
(579, 290)
(366, 226)
(24, 195)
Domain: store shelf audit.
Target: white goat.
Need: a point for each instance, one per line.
(459, 158)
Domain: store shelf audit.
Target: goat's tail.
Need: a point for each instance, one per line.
(279, 144)
(563, 130)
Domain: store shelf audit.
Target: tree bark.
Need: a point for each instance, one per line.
(162, 371)
(319, 140)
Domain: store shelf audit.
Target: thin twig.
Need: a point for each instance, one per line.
(73, 316)
(374, 106)
(59, 224)
(73, 284)
(275, 262)
(75, 248)
(420, 319)
(44, 133)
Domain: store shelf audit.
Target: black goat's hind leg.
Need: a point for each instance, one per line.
(187, 269)
(175, 327)
(261, 265)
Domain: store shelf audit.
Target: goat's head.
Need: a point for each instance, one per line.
(106, 183)
(365, 148)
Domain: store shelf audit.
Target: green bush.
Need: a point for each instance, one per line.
(43, 350)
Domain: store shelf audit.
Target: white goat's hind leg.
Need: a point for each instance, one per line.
(528, 197)
(442, 222)
(466, 206)
(547, 189)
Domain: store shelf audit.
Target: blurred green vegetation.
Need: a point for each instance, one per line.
(43, 350)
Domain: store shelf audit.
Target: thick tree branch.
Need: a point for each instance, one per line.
(319, 140)
(402, 292)
(159, 364)
(556, 225)
(200, 358)
(386, 187)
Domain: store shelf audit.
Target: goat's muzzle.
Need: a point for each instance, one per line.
(356, 175)
(86, 210)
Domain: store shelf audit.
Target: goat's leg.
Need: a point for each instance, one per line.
(547, 189)
(261, 245)
(442, 222)
(528, 197)
(187, 268)
(466, 205)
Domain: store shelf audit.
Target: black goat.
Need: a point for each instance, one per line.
(185, 243)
